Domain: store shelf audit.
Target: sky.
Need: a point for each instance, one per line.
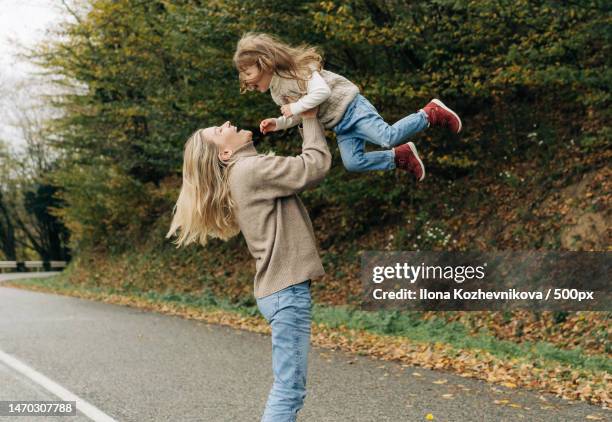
(22, 22)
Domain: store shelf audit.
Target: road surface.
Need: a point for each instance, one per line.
(132, 365)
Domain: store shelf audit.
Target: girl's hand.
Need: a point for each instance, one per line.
(286, 110)
(267, 125)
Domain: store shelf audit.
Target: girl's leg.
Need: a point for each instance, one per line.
(289, 314)
(367, 124)
(354, 157)
(362, 121)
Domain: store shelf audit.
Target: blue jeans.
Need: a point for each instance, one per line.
(360, 123)
(288, 311)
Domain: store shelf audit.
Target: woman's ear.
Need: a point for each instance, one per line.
(225, 155)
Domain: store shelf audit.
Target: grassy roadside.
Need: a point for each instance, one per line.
(401, 336)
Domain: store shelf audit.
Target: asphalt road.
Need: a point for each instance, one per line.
(133, 365)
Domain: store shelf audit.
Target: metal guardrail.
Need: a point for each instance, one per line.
(31, 265)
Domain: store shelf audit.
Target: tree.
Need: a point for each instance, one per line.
(7, 226)
(27, 194)
(144, 75)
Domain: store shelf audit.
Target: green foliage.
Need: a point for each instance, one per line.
(101, 202)
(149, 73)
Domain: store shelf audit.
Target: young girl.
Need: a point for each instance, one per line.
(297, 82)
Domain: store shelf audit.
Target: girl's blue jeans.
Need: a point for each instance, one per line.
(288, 311)
(360, 123)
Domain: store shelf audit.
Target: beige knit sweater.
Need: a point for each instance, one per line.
(272, 219)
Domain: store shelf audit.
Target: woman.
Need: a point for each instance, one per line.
(229, 187)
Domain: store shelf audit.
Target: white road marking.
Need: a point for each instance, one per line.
(86, 408)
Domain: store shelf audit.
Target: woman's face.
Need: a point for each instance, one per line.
(257, 79)
(227, 137)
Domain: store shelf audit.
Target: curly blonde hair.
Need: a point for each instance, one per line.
(270, 54)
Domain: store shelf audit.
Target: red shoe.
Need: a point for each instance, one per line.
(440, 115)
(407, 158)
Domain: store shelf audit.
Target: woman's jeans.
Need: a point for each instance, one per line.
(288, 312)
(360, 123)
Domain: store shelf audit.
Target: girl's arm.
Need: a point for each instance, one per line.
(317, 92)
(283, 122)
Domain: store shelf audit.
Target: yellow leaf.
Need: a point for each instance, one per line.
(429, 417)
(443, 381)
(509, 384)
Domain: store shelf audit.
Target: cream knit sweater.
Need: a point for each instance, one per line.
(331, 111)
(272, 218)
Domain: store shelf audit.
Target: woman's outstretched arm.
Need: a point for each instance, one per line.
(274, 176)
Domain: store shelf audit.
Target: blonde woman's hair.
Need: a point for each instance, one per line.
(204, 207)
(269, 53)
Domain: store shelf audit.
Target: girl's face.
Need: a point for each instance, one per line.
(256, 78)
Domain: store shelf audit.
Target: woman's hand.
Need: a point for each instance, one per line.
(267, 125)
(286, 110)
(310, 114)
